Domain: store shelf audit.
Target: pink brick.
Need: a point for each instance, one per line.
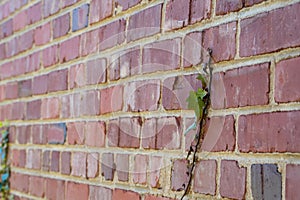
(251, 2)
(34, 13)
(168, 133)
(12, 47)
(125, 195)
(95, 134)
(42, 34)
(144, 23)
(50, 56)
(75, 107)
(177, 14)
(100, 9)
(96, 71)
(65, 164)
(225, 6)
(292, 181)
(113, 133)
(129, 132)
(18, 110)
(6, 28)
(122, 167)
(61, 25)
(33, 159)
(50, 108)
(19, 182)
(77, 191)
(140, 169)
(126, 4)
(54, 167)
(151, 197)
(33, 62)
(149, 133)
(179, 175)
(111, 99)
(50, 7)
(155, 167)
(257, 39)
(205, 177)
(40, 84)
(46, 160)
(78, 164)
(33, 109)
(37, 186)
(192, 49)
(107, 166)
(221, 40)
(90, 103)
(69, 49)
(269, 132)
(200, 9)
(25, 41)
(92, 165)
(6, 70)
(77, 76)
(161, 56)
(142, 95)
(25, 88)
(233, 180)
(97, 192)
(38, 134)
(2, 51)
(67, 3)
(89, 42)
(55, 185)
(57, 80)
(75, 133)
(20, 20)
(287, 81)
(23, 134)
(246, 86)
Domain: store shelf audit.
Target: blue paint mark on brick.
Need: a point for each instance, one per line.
(80, 17)
(57, 133)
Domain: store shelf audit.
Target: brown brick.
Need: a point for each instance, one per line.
(19, 182)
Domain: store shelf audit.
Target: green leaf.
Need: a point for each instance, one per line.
(201, 93)
(193, 103)
(202, 79)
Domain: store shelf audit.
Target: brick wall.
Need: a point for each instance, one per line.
(95, 91)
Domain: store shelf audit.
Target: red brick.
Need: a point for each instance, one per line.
(2, 92)
(151, 197)
(12, 47)
(34, 13)
(42, 34)
(257, 39)
(75, 133)
(168, 133)
(205, 177)
(61, 25)
(129, 132)
(221, 40)
(67, 3)
(25, 41)
(287, 81)
(200, 9)
(90, 103)
(269, 132)
(56, 133)
(50, 56)
(33, 159)
(161, 56)
(50, 7)
(19, 182)
(39, 84)
(57, 80)
(125, 195)
(142, 95)
(251, 2)
(112, 34)
(20, 20)
(246, 86)
(6, 28)
(95, 134)
(33, 62)
(69, 49)
(126, 4)
(33, 109)
(38, 134)
(77, 76)
(78, 164)
(144, 23)
(11, 90)
(55, 189)
(2, 51)
(50, 108)
(100, 9)
(54, 167)
(107, 166)
(75, 107)
(179, 177)
(233, 180)
(23, 134)
(89, 42)
(111, 99)
(149, 133)
(225, 6)
(92, 165)
(96, 71)
(192, 49)
(113, 133)
(156, 164)
(18, 110)
(65, 163)
(122, 167)
(140, 169)
(37, 186)
(292, 181)
(177, 14)
(19, 158)
(97, 192)
(46, 161)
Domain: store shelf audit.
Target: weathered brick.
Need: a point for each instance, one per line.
(233, 180)
(34, 13)
(20, 20)
(225, 6)
(25, 41)
(50, 56)
(161, 56)
(77, 191)
(2, 50)
(23, 134)
(11, 90)
(61, 25)
(96, 71)
(265, 181)
(89, 42)
(100, 9)
(37, 186)
(200, 9)
(95, 134)
(205, 177)
(126, 4)
(269, 132)
(180, 176)
(177, 14)
(56, 133)
(111, 99)
(33, 159)
(33, 109)
(19, 158)
(50, 7)
(69, 49)
(39, 84)
(142, 95)
(78, 164)
(140, 169)
(6, 28)
(75, 107)
(125, 195)
(257, 39)
(292, 181)
(90, 103)
(50, 108)
(54, 166)
(107, 166)
(113, 133)
(65, 163)
(57, 80)
(38, 134)
(144, 23)
(75, 133)
(80, 17)
(19, 182)
(46, 161)
(246, 86)
(148, 133)
(97, 192)
(25, 88)
(122, 167)
(33, 62)
(287, 81)
(129, 132)
(12, 47)
(155, 166)
(192, 49)
(77, 76)
(55, 185)
(92, 165)
(168, 133)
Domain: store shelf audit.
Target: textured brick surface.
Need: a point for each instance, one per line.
(205, 177)
(80, 17)
(292, 180)
(76, 191)
(179, 175)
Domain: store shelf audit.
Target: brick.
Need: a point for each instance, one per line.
(252, 2)
(233, 180)
(125, 195)
(80, 17)
(97, 192)
(286, 80)
(12, 47)
(265, 181)
(37, 186)
(75, 107)
(78, 164)
(2, 51)
(256, 40)
(95, 134)
(176, 89)
(148, 133)
(200, 9)
(65, 163)
(205, 177)
(113, 133)
(20, 20)
(96, 71)
(144, 23)
(155, 166)
(269, 132)
(19, 182)
(11, 90)
(50, 56)
(23, 134)
(46, 161)
(246, 86)
(25, 41)
(192, 49)
(225, 6)
(142, 95)
(19, 158)
(161, 56)
(33, 109)
(112, 34)
(55, 185)
(66, 108)
(75, 133)
(33, 159)
(34, 13)
(54, 167)
(126, 4)
(168, 133)
(222, 40)
(61, 26)
(100, 9)
(33, 62)
(2, 92)
(292, 181)
(38, 134)
(177, 14)
(6, 28)
(92, 165)
(129, 132)
(42, 34)
(50, 7)
(56, 133)
(77, 76)
(89, 42)
(67, 3)
(140, 169)
(107, 166)
(57, 80)
(90, 103)
(111, 99)
(39, 85)
(179, 175)
(69, 49)
(18, 110)
(122, 167)
(151, 197)
(50, 108)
